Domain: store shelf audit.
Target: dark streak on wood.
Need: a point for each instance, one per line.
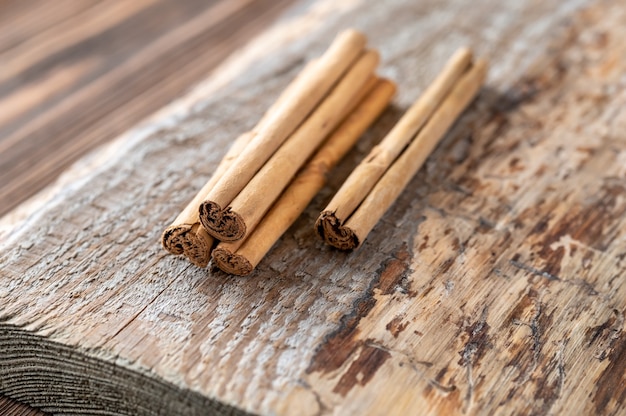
(601, 333)
(437, 383)
(589, 224)
(341, 344)
(527, 297)
(547, 375)
(362, 369)
(550, 382)
(394, 271)
(477, 341)
(396, 326)
(611, 385)
(445, 266)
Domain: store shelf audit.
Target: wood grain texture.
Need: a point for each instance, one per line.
(63, 62)
(75, 74)
(10, 407)
(494, 284)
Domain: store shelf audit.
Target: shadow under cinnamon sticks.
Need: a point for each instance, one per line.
(241, 257)
(378, 181)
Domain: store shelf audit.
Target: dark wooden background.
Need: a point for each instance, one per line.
(77, 73)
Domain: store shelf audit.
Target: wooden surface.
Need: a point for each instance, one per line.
(494, 284)
(77, 73)
(9, 407)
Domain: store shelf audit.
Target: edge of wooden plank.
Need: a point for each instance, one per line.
(102, 384)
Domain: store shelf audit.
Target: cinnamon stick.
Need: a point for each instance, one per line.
(367, 173)
(242, 256)
(185, 236)
(247, 209)
(282, 122)
(350, 235)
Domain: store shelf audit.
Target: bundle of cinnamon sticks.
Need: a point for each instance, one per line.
(254, 194)
(380, 178)
(271, 173)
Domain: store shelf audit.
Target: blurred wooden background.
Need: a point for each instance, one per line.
(77, 73)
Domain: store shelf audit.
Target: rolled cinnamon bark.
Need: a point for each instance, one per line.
(247, 209)
(282, 122)
(185, 236)
(242, 256)
(351, 234)
(368, 172)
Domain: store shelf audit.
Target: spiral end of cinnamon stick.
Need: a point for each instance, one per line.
(192, 241)
(173, 238)
(223, 224)
(200, 244)
(231, 263)
(333, 233)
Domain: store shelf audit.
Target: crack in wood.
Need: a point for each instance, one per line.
(534, 270)
(474, 349)
(415, 364)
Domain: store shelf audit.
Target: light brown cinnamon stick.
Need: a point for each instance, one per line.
(185, 236)
(282, 122)
(351, 234)
(242, 256)
(247, 209)
(367, 173)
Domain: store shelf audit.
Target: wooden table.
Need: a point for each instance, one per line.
(76, 73)
(495, 284)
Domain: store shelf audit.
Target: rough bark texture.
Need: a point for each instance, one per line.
(495, 283)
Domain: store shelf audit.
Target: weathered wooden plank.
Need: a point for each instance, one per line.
(61, 61)
(9, 407)
(495, 283)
